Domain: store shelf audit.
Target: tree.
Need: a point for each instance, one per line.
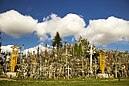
(57, 41)
(76, 49)
(80, 50)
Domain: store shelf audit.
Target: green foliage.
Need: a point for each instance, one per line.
(57, 41)
(81, 48)
(78, 50)
(75, 49)
(85, 42)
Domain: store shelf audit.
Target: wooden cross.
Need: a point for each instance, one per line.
(91, 52)
(68, 68)
(67, 55)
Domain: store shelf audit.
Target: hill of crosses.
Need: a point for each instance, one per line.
(64, 61)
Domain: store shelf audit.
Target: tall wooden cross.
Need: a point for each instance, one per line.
(67, 55)
(83, 67)
(91, 53)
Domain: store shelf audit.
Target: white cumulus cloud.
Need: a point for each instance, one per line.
(104, 31)
(6, 49)
(33, 50)
(98, 32)
(71, 24)
(15, 24)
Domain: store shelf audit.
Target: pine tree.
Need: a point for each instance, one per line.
(80, 50)
(57, 41)
(76, 49)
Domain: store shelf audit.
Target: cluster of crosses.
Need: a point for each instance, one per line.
(81, 60)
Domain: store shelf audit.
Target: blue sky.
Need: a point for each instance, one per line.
(88, 9)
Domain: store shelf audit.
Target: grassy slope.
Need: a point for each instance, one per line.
(87, 82)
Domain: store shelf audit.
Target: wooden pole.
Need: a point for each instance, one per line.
(91, 53)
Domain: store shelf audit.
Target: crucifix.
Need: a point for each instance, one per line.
(21, 53)
(50, 71)
(68, 68)
(91, 53)
(81, 43)
(66, 54)
(82, 67)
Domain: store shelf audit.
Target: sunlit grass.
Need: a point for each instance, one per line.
(71, 82)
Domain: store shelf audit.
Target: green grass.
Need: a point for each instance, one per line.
(77, 82)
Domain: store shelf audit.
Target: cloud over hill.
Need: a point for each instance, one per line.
(98, 32)
(15, 24)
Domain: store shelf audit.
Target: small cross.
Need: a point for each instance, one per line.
(68, 68)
